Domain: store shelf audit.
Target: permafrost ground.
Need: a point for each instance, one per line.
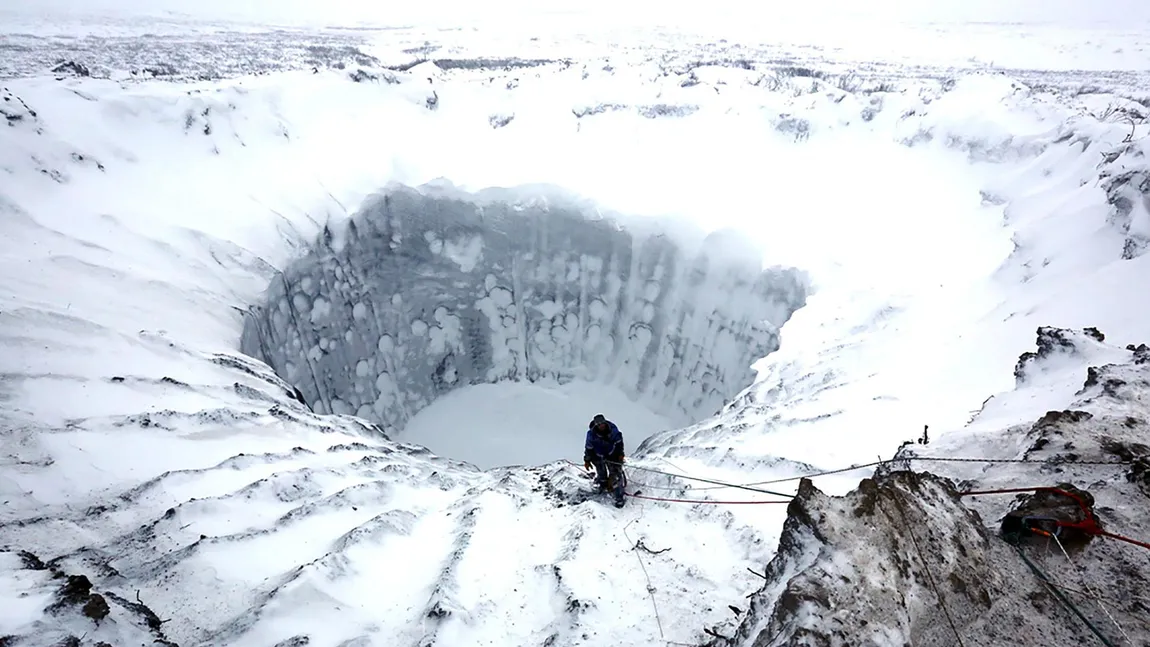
(158, 486)
(906, 559)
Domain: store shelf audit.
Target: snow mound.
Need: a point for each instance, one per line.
(424, 292)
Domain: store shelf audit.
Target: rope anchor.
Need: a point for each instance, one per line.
(1089, 524)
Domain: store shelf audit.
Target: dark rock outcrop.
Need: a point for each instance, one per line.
(1129, 196)
(96, 608)
(1052, 341)
(1050, 431)
(75, 604)
(870, 567)
(901, 561)
(72, 67)
(75, 591)
(32, 562)
(15, 111)
(1141, 353)
(1134, 453)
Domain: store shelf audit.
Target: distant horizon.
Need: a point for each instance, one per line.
(735, 13)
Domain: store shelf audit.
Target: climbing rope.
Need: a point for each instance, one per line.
(937, 459)
(824, 473)
(703, 480)
(1058, 593)
(639, 495)
(941, 459)
(1125, 539)
(650, 587)
(708, 501)
(926, 569)
(1143, 600)
(782, 480)
(1089, 525)
(1097, 597)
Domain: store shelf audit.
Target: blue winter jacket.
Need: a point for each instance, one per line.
(609, 446)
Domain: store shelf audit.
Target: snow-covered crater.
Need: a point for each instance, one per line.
(204, 506)
(426, 291)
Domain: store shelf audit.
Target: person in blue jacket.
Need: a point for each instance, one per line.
(604, 451)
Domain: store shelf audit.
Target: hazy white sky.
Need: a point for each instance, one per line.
(1134, 14)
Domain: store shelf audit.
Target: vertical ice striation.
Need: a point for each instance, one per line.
(428, 290)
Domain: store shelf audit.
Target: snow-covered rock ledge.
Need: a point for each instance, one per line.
(905, 559)
(425, 291)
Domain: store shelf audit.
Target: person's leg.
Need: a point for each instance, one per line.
(601, 473)
(616, 481)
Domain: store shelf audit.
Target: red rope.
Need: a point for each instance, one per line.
(1006, 491)
(653, 498)
(1125, 539)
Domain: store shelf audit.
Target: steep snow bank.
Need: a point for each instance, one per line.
(425, 292)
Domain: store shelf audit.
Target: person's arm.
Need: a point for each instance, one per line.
(588, 452)
(617, 451)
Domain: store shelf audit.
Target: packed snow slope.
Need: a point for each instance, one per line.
(157, 484)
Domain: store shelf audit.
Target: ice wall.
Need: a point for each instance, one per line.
(428, 290)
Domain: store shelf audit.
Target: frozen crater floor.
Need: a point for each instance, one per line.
(529, 423)
(899, 240)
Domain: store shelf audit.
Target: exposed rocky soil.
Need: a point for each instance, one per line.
(910, 558)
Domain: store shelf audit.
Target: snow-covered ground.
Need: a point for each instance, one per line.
(149, 194)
